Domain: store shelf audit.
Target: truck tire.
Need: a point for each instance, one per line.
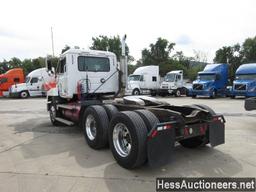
(148, 117)
(111, 110)
(178, 93)
(136, 92)
(153, 93)
(128, 139)
(24, 94)
(54, 112)
(214, 94)
(193, 96)
(95, 126)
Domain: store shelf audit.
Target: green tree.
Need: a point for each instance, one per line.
(112, 44)
(157, 53)
(248, 50)
(231, 55)
(15, 62)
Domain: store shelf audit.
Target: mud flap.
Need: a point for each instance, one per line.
(250, 104)
(216, 133)
(160, 148)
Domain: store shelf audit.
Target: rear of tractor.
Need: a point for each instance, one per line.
(141, 129)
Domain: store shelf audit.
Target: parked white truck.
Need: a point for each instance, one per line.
(173, 84)
(33, 85)
(137, 129)
(143, 80)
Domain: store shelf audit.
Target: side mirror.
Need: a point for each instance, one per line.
(48, 64)
(49, 67)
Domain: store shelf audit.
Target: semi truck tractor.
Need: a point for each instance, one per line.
(143, 80)
(211, 82)
(33, 86)
(245, 81)
(173, 84)
(137, 129)
(11, 77)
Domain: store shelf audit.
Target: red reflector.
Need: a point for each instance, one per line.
(154, 133)
(169, 126)
(216, 119)
(202, 130)
(186, 133)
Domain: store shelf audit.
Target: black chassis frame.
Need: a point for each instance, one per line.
(179, 120)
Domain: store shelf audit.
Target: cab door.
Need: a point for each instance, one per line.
(179, 80)
(35, 86)
(142, 82)
(62, 78)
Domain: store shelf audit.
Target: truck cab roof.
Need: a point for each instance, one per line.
(249, 68)
(176, 71)
(214, 68)
(87, 52)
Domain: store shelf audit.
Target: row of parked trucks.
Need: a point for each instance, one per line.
(13, 83)
(212, 81)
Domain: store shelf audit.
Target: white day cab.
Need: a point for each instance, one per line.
(173, 84)
(33, 86)
(143, 80)
(137, 129)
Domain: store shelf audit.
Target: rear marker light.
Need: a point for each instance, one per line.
(153, 134)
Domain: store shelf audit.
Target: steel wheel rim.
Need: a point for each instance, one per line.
(52, 113)
(178, 93)
(122, 140)
(24, 94)
(136, 92)
(90, 127)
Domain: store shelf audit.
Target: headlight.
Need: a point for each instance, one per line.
(252, 89)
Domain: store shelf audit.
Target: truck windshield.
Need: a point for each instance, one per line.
(94, 64)
(134, 77)
(27, 79)
(207, 77)
(246, 77)
(169, 77)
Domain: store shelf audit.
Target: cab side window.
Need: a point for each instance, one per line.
(178, 77)
(3, 80)
(34, 80)
(62, 65)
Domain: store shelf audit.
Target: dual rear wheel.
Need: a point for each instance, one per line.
(124, 132)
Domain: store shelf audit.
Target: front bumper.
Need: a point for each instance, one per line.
(14, 94)
(201, 92)
(244, 93)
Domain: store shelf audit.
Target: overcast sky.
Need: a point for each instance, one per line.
(204, 25)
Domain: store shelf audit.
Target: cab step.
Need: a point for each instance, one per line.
(64, 121)
(65, 106)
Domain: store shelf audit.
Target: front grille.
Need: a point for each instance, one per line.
(165, 87)
(240, 87)
(198, 87)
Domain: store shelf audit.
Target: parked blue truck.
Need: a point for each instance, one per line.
(212, 81)
(245, 82)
